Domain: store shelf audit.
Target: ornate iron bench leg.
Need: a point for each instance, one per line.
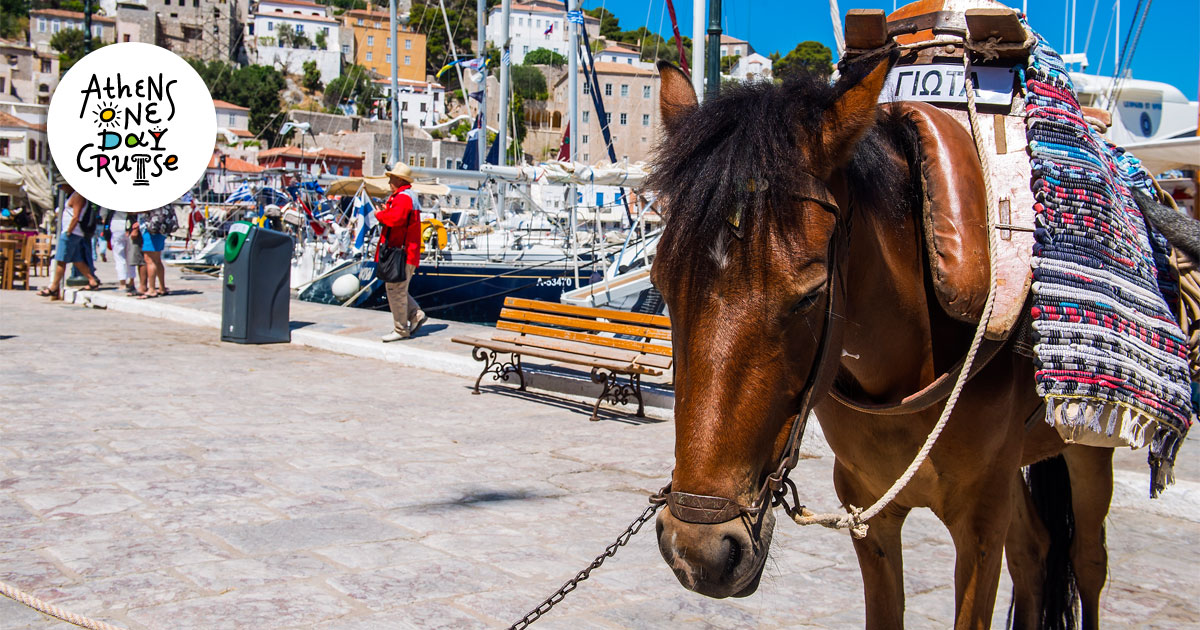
(616, 392)
(500, 370)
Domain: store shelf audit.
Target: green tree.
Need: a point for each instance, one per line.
(14, 16)
(811, 57)
(300, 40)
(284, 35)
(344, 5)
(254, 87)
(545, 56)
(70, 46)
(610, 27)
(528, 82)
(312, 76)
(728, 62)
(353, 84)
(321, 41)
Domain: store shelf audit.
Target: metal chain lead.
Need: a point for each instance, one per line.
(656, 501)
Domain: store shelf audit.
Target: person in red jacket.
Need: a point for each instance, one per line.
(401, 220)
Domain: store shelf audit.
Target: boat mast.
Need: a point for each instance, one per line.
(714, 48)
(481, 139)
(573, 11)
(395, 100)
(505, 60)
(698, 49)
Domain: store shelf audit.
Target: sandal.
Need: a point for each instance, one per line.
(47, 292)
(91, 287)
(147, 296)
(165, 291)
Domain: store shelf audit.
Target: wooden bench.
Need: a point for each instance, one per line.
(612, 343)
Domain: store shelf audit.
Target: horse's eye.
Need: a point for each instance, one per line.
(807, 302)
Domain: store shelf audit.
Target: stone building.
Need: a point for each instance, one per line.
(27, 74)
(202, 29)
(372, 46)
(288, 33)
(421, 103)
(533, 25)
(44, 24)
(630, 97)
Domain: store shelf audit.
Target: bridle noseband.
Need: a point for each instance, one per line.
(709, 510)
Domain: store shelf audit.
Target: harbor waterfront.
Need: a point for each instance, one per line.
(285, 487)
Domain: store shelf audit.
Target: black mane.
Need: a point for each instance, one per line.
(742, 149)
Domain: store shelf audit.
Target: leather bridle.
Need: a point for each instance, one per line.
(709, 510)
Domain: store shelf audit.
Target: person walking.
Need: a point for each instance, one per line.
(401, 220)
(119, 241)
(70, 249)
(135, 258)
(158, 224)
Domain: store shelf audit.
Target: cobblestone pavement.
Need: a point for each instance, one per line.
(156, 478)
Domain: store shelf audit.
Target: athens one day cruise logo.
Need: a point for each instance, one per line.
(131, 127)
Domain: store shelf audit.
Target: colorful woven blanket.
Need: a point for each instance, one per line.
(1112, 362)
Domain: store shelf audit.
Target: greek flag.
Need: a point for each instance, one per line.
(575, 16)
(507, 58)
(364, 217)
(242, 194)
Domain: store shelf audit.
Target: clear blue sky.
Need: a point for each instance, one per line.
(1169, 49)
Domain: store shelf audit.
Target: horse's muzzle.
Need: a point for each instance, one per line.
(718, 560)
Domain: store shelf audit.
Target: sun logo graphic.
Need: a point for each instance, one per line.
(131, 127)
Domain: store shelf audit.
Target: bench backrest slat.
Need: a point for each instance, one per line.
(628, 357)
(656, 321)
(571, 335)
(586, 324)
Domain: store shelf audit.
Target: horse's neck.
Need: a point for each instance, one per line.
(887, 336)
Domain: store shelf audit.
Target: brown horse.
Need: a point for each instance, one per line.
(792, 262)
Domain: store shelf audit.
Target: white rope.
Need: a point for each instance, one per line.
(18, 595)
(855, 518)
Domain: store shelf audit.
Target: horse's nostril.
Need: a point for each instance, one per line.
(733, 554)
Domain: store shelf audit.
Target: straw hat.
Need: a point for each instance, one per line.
(401, 171)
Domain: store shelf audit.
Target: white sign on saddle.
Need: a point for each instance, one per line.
(943, 83)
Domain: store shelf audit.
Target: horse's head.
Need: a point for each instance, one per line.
(746, 266)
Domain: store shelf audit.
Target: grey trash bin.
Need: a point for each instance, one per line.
(256, 285)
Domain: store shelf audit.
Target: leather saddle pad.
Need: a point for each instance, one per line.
(955, 213)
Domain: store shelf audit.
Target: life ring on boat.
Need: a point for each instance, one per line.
(432, 229)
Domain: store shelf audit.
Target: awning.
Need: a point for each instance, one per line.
(378, 187)
(1166, 155)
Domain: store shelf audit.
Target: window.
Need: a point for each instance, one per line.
(608, 119)
(624, 118)
(645, 91)
(584, 139)
(360, 22)
(345, 49)
(539, 23)
(232, 119)
(55, 26)
(325, 30)
(388, 58)
(645, 120)
(599, 199)
(587, 158)
(407, 60)
(346, 171)
(370, 40)
(424, 106)
(3, 147)
(127, 36)
(31, 150)
(369, 55)
(389, 43)
(270, 26)
(586, 115)
(404, 106)
(41, 25)
(587, 87)
(46, 62)
(378, 24)
(299, 29)
(195, 3)
(449, 165)
(643, 139)
(422, 161)
(525, 50)
(608, 89)
(412, 160)
(2, 80)
(624, 90)
(408, 44)
(520, 21)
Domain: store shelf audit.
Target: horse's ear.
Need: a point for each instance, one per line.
(675, 95)
(853, 113)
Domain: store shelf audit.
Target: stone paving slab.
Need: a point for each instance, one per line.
(155, 478)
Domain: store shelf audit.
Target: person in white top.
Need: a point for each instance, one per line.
(120, 243)
(70, 247)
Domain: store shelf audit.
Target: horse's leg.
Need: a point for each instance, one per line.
(978, 528)
(1091, 492)
(880, 558)
(1025, 548)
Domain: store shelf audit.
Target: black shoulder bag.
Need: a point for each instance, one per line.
(392, 265)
